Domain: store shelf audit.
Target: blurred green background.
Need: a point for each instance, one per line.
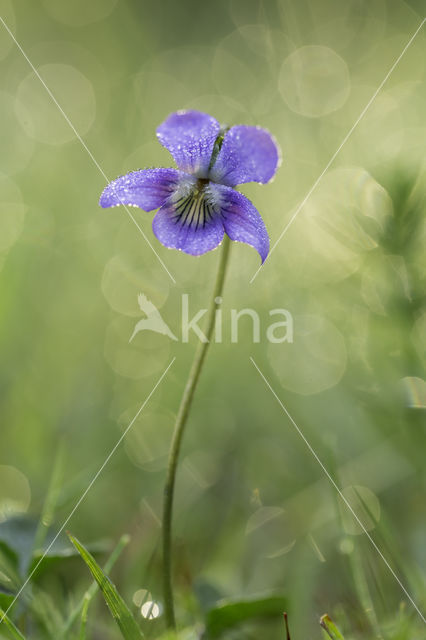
(254, 509)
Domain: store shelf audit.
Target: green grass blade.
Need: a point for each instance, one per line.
(84, 617)
(51, 500)
(16, 634)
(327, 623)
(78, 611)
(44, 608)
(119, 610)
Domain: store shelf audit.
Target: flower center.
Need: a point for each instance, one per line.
(196, 208)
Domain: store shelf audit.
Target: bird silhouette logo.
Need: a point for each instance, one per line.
(153, 320)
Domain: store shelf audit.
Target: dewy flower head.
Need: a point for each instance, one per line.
(197, 202)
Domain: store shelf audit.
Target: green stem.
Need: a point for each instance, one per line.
(181, 420)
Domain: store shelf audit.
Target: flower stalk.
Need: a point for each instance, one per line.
(179, 429)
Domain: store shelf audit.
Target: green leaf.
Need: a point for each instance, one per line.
(15, 633)
(229, 613)
(327, 623)
(115, 602)
(17, 538)
(9, 577)
(6, 599)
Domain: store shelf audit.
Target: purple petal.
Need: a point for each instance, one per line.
(248, 154)
(193, 238)
(147, 188)
(242, 221)
(190, 138)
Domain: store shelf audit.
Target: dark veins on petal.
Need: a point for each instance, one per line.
(194, 209)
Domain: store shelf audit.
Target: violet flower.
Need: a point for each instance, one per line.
(197, 202)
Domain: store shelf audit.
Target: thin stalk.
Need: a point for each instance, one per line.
(181, 420)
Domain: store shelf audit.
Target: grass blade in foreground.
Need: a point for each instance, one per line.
(82, 607)
(327, 623)
(115, 602)
(16, 634)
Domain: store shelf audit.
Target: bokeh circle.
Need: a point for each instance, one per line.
(314, 361)
(314, 81)
(73, 92)
(79, 12)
